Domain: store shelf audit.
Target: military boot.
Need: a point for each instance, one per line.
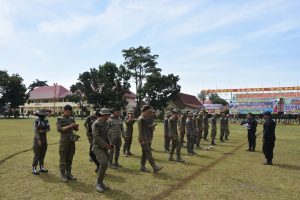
(34, 171)
(157, 168)
(70, 176)
(144, 169)
(64, 178)
(112, 166)
(42, 169)
(99, 188)
(179, 159)
(171, 158)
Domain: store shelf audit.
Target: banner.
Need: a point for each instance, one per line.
(292, 106)
(253, 107)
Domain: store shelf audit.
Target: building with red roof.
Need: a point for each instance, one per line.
(185, 102)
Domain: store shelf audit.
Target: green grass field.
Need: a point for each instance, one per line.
(227, 172)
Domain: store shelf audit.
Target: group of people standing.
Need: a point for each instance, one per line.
(105, 131)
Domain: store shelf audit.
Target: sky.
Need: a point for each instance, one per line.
(209, 43)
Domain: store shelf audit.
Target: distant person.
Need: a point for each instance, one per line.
(181, 126)
(174, 137)
(213, 129)
(223, 127)
(205, 126)
(269, 138)
(166, 132)
(66, 126)
(199, 128)
(88, 126)
(115, 133)
(151, 126)
(129, 121)
(145, 140)
(101, 145)
(191, 135)
(227, 133)
(41, 127)
(251, 125)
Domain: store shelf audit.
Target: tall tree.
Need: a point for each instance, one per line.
(4, 77)
(37, 83)
(202, 96)
(216, 99)
(159, 89)
(141, 63)
(103, 86)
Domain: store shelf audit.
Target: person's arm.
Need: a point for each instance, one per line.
(122, 129)
(62, 129)
(87, 121)
(48, 125)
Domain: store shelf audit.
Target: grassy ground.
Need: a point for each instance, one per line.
(228, 172)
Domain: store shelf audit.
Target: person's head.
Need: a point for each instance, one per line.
(267, 115)
(153, 112)
(168, 114)
(68, 110)
(116, 112)
(147, 110)
(175, 113)
(41, 114)
(190, 115)
(130, 112)
(223, 114)
(249, 116)
(103, 114)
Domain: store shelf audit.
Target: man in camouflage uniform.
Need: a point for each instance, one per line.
(205, 125)
(199, 128)
(181, 124)
(101, 145)
(144, 140)
(190, 134)
(41, 127)
(66, 125)
(174, 137)
(213, 129)
(166, 132)
(129, 121)
(88, 126)
(115, 132)
(227, 133)
(151, 126)
(223, 127)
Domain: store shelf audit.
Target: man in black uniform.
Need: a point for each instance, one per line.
(269, 138)
(41, 127)
(88, 126)
(251, 124)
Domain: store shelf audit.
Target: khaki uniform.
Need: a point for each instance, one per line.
(100, 144)
(181, 124)
(223, 128)
(173, 134)
(115, 132)
(151, 126)
(205, 127)
(66, 144)
(41, 127)
(128, 134)
(144, 140)
(213, 128)
(199, 129)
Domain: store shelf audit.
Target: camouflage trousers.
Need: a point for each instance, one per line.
(146, 155)
(198, 137)
(102, 157)
(114, 153)
(190, 143)
(213, 133)
(175, 145)
(66, 153)
(205, 129)
(222, 133)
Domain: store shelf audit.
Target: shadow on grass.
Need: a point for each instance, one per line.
(116, 179)
(117, 194)
(288, 166)
(129, 171)
(50, 178)
(163, 176)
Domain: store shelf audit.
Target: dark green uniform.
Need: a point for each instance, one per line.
(100, 147)
(66, 145)
(128, 135)
(115, 133)
(144, 139)
(199, 129)
(181, 124)
(166, 134)
(88, 126)
(213, 129)
(151, 126)
(223, 128)
(191, 135)
(41, 127)
(227, 133)
(205, 126)
(173, 134)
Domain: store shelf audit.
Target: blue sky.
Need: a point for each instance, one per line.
(209, 44)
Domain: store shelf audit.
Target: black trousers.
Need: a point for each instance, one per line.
(190, 143)
(127, 144)
(252, 140)
(268, 148)
(167, 143)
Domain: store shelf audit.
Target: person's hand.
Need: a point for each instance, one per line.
(39, 142)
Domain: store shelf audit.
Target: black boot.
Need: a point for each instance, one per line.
(144, 169)
(70, 176)
(42, 169)
(34, 171)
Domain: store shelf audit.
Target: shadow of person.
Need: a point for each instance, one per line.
(50, 178)
(163, 176)
(79, 186)
(129, 171)
(113, 178)
(288, 166)
(117, 194)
